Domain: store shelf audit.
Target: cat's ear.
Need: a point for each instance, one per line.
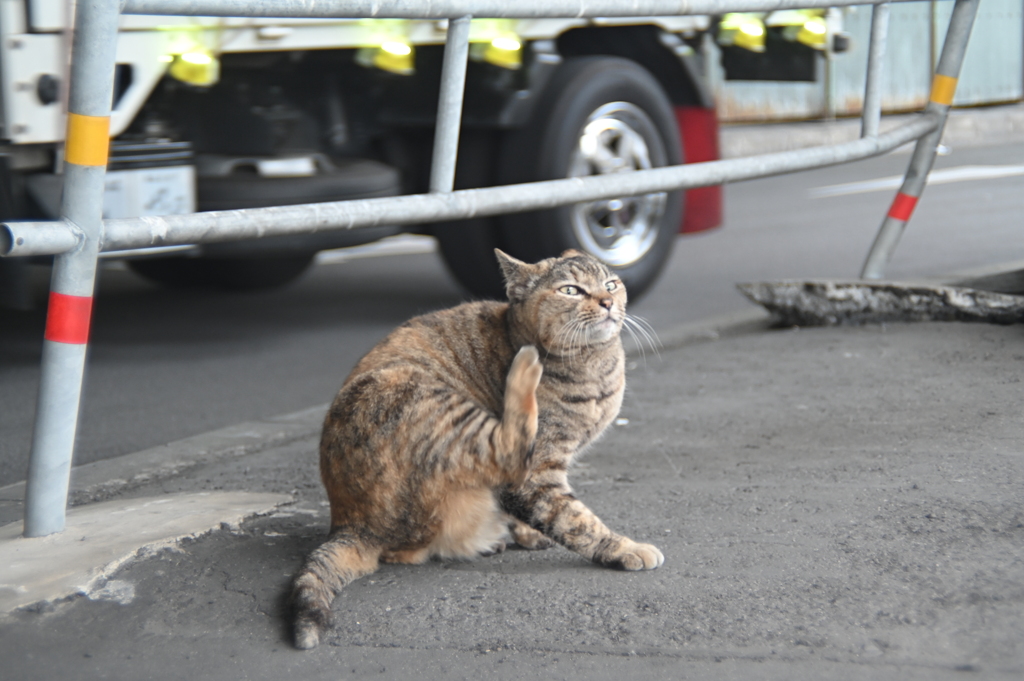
(519, 276)
(571, 253)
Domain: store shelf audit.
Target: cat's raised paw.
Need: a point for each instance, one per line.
(526, 369)
(634, 556)
(521, 394)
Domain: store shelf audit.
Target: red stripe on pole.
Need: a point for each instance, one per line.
(67, 319)
(902, 206)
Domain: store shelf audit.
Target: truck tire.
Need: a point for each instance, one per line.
(233, 274)
(467, 246)
(597, 115)
(467, 249)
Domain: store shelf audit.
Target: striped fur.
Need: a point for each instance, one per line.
(463, 423)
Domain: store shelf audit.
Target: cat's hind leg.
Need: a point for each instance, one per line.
(470, 525)
(336, 563)
(406, 556)
(527, 537)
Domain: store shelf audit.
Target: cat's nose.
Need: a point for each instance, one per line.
(607, 303)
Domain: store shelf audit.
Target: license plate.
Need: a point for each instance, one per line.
(143, 192)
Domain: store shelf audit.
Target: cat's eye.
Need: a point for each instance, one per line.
(570, 290)
(612, 285)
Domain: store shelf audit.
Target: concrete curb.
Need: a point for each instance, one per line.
(835, 302)
(982, 126)
(100, 538)
(103, 479)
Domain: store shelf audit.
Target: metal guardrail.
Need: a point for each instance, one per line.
(446, 9)
(78, 238)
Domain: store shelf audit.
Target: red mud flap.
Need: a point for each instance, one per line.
(698, 128)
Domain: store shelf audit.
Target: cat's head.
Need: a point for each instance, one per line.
(569, 302)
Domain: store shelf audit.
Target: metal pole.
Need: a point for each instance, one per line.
(872, 112)
(46, 238)
(74, 272)
(492, 9)
(449, 106)
(943, 89)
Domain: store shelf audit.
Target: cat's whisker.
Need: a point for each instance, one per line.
(636, 340)
(640, 341)
(565, 337)
(584, 333)
(578, 330)
(639, 325)
(651, 341)
(562, 337)
(562, 330)
(645, 328)
(646, 324)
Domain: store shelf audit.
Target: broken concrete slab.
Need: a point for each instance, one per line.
(1001, 279)
(100, 538)
(835, 303)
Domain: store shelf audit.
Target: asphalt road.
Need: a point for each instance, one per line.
(168, 364)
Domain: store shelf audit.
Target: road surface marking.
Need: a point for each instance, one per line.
(403, 244)
(944, 176)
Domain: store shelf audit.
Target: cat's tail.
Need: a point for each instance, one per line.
(336, 563)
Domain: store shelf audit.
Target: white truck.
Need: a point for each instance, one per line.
(213, 114)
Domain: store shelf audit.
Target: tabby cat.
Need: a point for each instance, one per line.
(460, 427)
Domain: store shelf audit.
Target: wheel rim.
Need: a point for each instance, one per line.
(613, 140)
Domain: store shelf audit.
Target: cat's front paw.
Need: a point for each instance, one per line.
(631, 555)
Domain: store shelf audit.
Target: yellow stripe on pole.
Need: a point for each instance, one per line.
(943, 89)
(88, 140)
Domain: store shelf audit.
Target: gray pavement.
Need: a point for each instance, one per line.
(832, 503)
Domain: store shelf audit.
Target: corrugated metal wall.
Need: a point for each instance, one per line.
(994, 67)
(993, 70)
